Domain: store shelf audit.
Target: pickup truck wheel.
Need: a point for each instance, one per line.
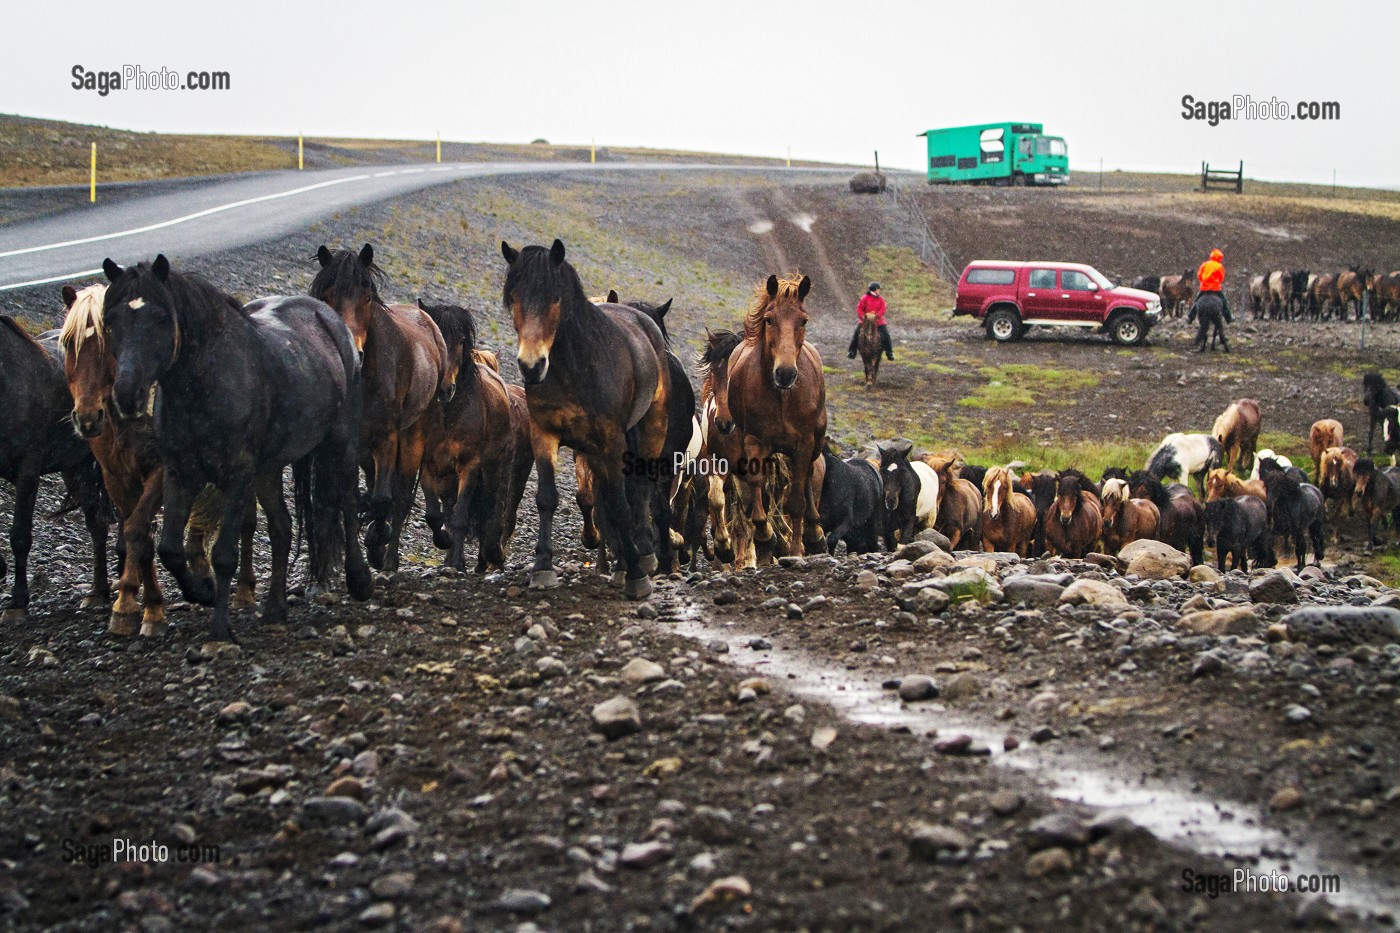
(1004, 326)
(1128, 329)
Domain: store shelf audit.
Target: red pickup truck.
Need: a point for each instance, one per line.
(1010, 298)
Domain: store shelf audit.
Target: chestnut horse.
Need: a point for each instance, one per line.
(476, 459)
(1008, 517)
(1337, 480)
(1237, 431)
(870, 346)
(776, 402)
(1324, 434)
(959, 502)
(1177, 292)
(1075, 522)
(405, 363)
(134, 475)
(731, 532)
(596, 380)
(1126, 519)
(1222, 484)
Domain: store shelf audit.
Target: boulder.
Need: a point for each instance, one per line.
(1237, 620)
(1031, 590)
(927, 840)
(1094, 593)
(1155, 560)
(972, 583)
(1204, 573)
(868, 182)
(936, 537)
(1273, 587)
(1344, 624)
(617, 717)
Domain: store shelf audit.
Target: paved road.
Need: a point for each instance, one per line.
(238, 211)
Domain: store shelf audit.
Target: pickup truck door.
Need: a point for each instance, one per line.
(1079, 298)
(1041, 300)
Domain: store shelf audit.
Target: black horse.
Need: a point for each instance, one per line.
(1182, 520)
(1295, 510)
(851, 507)
(900, 486)
(1240, 528)
(36, 439)
(243, 392)
(1042, 489)
(1377, 397)
(1210, 308)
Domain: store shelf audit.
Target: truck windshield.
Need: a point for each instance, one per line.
(1050, 145)
(1099, 277)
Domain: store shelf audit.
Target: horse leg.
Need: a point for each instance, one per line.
(404, 483)
(546, 451)
(459, 523)
(492, 480)
(268, 491)
(381, 500)
(717, 504)
(88, 491)
(433, 515)
(202, 528)
(334, 506)
(140, 570)
(617, 509)
(225, 557)
(178, 501)
(245, 592)
(21, 539)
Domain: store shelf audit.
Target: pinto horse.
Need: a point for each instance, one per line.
(36, 439)
(1179, 456)
(1267, 454)
(244, 391)
(1324, 434)
(911, 493)
(776, 401)
(133, 475)
(476, 459)
(1377, 494)
(1126, 519)
(1075, 522)
(1377, 397)
(870, 346)
(1237, 431)
(596, 381)
(405, 364)
(1183, 521)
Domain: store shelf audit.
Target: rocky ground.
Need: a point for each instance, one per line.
(440, 757)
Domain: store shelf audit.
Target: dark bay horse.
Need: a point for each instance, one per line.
(244, 391)
(476, 458)
(36, 439)
(777, 404)
(871, 347)
(596, 380)
(1182, 522)
(1075, 522)
(1295, 509)
(405, 364)
(732, 532)
(134, 475)
(1377, 397)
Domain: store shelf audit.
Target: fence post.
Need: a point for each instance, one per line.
(592, 150)
(92, 179)
(789, 157)
(439, 146)
(1365, 313)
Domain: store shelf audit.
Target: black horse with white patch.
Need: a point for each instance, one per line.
(852, 509)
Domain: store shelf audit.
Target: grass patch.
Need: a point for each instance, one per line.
(1014, 385)
(1093, 457)
(914, 291)
(1385, 567)
(1291, 446)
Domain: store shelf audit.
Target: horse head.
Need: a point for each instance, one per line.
(142, 330)
(1146, 485)
(1365, 474)
(1217, 484)
(894, 463)
(996, 486)
(540, 290)
(778, 322)
(349, 283)
(1115, 496)
(714, 370)
(1067, 497)
(459, 335)
(90, 375)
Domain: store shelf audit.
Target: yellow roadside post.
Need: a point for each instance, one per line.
(439, 147)
(592, 150)
(92, 182)
(300, 164)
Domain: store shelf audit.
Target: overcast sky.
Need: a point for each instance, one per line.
(833, 80)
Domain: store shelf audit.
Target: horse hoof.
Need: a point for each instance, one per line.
(201, 591)
(14, 615)
(273, 614)
(442, 540)
(122, 623)
(360, 582)
(618, 577)
(639, 588)
(153, 629)
(544, 580)
(94, 602)
(649, 563)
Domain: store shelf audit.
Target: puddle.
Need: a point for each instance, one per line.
(1225, 829)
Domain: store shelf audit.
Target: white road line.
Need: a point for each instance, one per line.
(57, 278)
(384, 174)
(180, 220)
(413, 171)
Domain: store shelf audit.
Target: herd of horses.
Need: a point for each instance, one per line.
(162, 394)
(1295, 294)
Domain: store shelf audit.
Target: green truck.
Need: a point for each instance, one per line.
(996, 154)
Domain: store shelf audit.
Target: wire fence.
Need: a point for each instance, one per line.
(930, 250)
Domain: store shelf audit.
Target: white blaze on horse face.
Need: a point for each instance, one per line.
(151, 401)
(136, 303)
(995, 499)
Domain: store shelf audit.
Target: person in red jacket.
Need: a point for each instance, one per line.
(1212, 278)
(871, 303)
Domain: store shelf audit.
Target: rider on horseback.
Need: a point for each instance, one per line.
(1212, 278)
(872, 303)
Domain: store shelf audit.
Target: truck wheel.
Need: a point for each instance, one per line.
(1018, 180)
(1004, 326)
(1128, 329)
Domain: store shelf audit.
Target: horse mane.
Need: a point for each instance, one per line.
(14, 325)
(456, 324)
(536, 280)
(1115, 490)
(1152, 483)
(657, 315)
(720, 345)
(346, 279)
(85, 315)
(198, 305)
(753, 320)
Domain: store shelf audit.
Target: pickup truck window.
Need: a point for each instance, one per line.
(1042, 278)
(991, 276)
(1074, 281)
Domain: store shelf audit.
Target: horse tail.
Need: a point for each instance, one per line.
(302, 511)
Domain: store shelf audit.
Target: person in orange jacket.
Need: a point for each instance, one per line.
(1212, 278)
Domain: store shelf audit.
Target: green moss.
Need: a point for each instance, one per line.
(914, 291)
(1018, 384)
(1386, 568)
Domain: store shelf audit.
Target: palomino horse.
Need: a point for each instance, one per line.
(1237, 431)
(870, 346)
(1008, 517)
(1337, 480)
(244, 391)
(776, 401)
(476, 459)
(596, 380)
(1126, 519)
(405, 364)
(1324, 434)
(134, 476)
(1075, 522)
(35, 440)
(1222, 484)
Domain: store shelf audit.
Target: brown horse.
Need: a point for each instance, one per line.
(959, 501)
(1177, 292)
(1337, 480)
(1008, 517)
(730, 530)
(1222, 484)
(596, 380)
(1377, 495)
(473, 453)
(1323, 295)
(1126, 519)
(404, 365)
(1324, 434)
(133, 475)
(1352, 286)
(1237, 430)
(776, 401)
(1075, 522)
(870, 346)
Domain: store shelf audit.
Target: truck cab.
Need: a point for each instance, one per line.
(1011, 297)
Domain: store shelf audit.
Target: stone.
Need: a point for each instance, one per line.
(1031, 590)
(1273, 587)
(1005, 802)
(379, 914)
(959, 744)
(1061, 828)
(721, 891)
(617, 717)
(927, 840)
(1237, 620)
(1085, 592)
(1297, 714)
(1207, 662)
(1286, 798)
(933, 560)
(347, 786)
(917, 687)
(641, 855)
(1049, 861)
(972, 583)
(641, 671)
(1155, 560)
(936, 537)
(1204, 573)
(1343, 625)
(915, 549)
(866, 580)
(726, 598)
(960, 686)
(333, 811)
(823, 737)
(237, 711)
(393, 885)
(523, 901)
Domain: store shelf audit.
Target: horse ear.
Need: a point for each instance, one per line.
(556, 252)
(323, 256)
(772, 286)
(161, 267)
(612, 296)
(902, 448)
(510, 254)
(366, 255)
(804, 287)
(661, 311)
(421, 306)
(111, 270)
(70, 295)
